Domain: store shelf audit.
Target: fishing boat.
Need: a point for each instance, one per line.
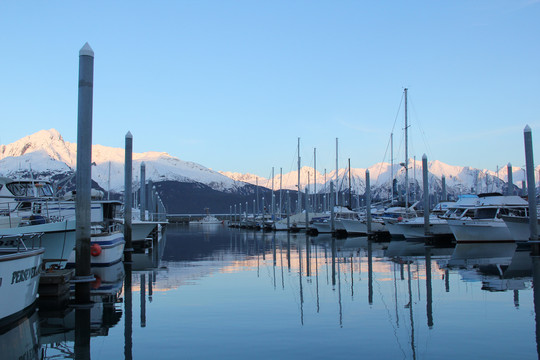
(27, 207)
(20, 268)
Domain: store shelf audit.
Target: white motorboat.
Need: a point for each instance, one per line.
(414, 228)
(394, 214)
(323, 224)
(345, 220)
(20, 269)
(485, 223)
(296, 221)
(207, 220)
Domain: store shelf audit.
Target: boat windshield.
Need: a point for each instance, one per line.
(486, 213)
(27, 189)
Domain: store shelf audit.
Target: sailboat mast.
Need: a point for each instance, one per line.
(273, 197)
(299, 206)
(391, 168)
(315, 180)
(109, 183)
(337, 174)
(350, 193)
(406, 155)
(280, 191)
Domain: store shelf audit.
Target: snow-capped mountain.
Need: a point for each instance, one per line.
(459, 179)
(46, 154)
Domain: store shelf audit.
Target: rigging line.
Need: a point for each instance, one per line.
(397, 113)
(384, 158)
(395, 331)
(422, 133)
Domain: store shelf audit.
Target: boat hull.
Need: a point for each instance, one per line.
(112, 250)
(416, 230)
(140, 230)
(479, 231)
(355, 226)
(518, 227)
(58, 239)
(321, 227)
(20, 273)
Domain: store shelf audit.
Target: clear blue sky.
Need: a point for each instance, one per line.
(232, 84)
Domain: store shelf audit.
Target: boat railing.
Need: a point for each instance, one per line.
(21, 242)
(21, 211)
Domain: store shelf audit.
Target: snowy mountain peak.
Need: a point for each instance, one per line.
(46, 153)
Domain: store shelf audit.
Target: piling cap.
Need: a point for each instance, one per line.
(367, 171)
(527, 129)
(143, 164)
(509, 165)
(86, 50)
(424, 157)
(128, 135)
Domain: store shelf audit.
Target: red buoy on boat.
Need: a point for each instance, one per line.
(95, 250)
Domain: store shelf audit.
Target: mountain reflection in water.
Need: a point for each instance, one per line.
(210, 291)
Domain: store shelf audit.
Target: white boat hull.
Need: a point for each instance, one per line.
(140, 229)
(112, 250)
(19, 274)
(322, 227)
(353, 226)
(58, 238)
(519, 227)
(478, 231)
(395, 230)
(415, 229)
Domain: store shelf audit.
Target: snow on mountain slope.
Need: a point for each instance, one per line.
(46, 153)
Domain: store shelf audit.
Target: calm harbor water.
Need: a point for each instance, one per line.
(214, 292)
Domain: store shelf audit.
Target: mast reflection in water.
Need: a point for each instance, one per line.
(214, 292)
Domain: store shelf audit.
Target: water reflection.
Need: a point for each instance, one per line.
(239, 287)
(20, 339)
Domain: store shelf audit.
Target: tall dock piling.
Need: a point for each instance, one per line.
(128, 174)
(83, 277)
(510, 190)
(444, 196)
(143, 191)
(368, 203)
(531, 184)
(426, 194)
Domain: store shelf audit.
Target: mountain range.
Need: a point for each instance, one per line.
(187, 187)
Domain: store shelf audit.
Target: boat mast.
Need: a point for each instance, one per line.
(273, 200)
(109, 183)
(406, 155)
(391, 168)
(337, 175)
(299, 203)
(280, 191)
(325, 192)
(350, 193)
(257, 193)
(315, 180)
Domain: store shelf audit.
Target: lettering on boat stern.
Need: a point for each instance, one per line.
(24, 275)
